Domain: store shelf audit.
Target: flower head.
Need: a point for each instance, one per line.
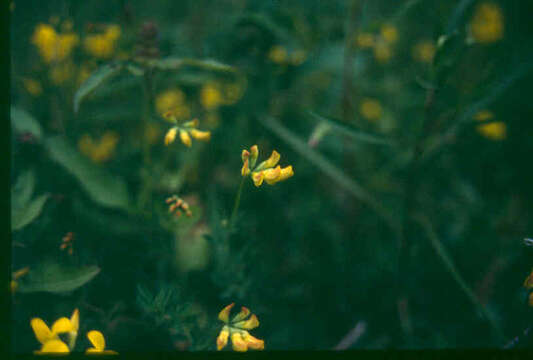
(97, 340)
(266, 170)
(51, 45)
(185, 131)
(102, 45)
(211, 96)
(49, 337)
(173, 100)
(237, 328)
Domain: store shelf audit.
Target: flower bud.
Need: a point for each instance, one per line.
(200, 135)
(185, 138)
(171, 135)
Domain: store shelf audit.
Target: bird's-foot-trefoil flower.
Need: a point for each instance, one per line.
(97, 340)
(266, 170)
(185, 131)
(237, 328)
(49, 338)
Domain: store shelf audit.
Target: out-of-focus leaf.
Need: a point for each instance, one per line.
(104, 188)
(457, 15)
(329, 169)
(351, 131)
(173, 63)
(25, 215)
(96, 79)
(23, 189)
(22, 122)
(55, 278)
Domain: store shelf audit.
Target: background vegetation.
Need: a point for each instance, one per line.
(408, 125)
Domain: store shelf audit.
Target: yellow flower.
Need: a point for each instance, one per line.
(237, 330)
(389, 33)
(364, 40)
(102, 45)
(494, 130)
(370, 109)
(267, 170)
(172, 100)
(53, 46)
(211, 96)
(424, 51)
(62, 72)
(487, 25)
(233, 92)
(99, 151)
(278, 54)
(33, 87)
(97, 339)
(49, 337)
(185, 131)
(382, 52)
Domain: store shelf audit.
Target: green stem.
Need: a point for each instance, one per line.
(237, 203)
(146, 193)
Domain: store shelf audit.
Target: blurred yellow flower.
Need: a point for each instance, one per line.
(487, 24)
(389, 33)
(62, 72)
(237, 330)
(33, 87)
(173, 100)
(211, 96)
(382, 52)
(494, 130)
(49, 337)
(97, 340)
(232, 92)
(267, 170)
(370, 109)
(185, 131)
(278, 54)
(364, 40)
(424, 51)
(101, 150)
(53, 46)
(102, 45)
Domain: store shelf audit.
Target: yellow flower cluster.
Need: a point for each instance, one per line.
(267, 170)
(237, 330)
(51, 45)
(278, 54)
(494, 130)
(185, 131)
(424, 51)
(382, 43)
(173, 100)
(101, 150)
(370, 109)
(51, 342)
(215, 94)
(487, 24)
(102, 45)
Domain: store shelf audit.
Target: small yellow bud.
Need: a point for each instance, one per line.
(185, 138)
(200, 135)
(245, 171)
(171, 135)
(257, 178)
(245, 155)
(254, 153)
(223, 315)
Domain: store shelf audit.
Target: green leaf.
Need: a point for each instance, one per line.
(351, 131)
(23, 189)
(22, 122)
(56, 278)
(96, 79)
(23, 216)
(173, 63)
(104, 188)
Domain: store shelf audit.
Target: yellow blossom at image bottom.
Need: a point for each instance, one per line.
(97, 340)
(49, 337)
(237, 328)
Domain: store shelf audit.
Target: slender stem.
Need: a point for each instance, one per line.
(237, 203)
(146, 192)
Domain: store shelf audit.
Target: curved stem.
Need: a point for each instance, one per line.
(236, 204)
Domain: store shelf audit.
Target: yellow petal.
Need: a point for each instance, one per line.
(41, 330)
(249, 324)
(272, 160)
(258, 177)
(93, 351)
(224, 313)
(171, 135)
(97, 339)
(193, 123)
(286, 173)
(222, 339)
(75, 320)
(272, 175)
(62, 325)
(253, 343)
(245, 169)
(238, 342)
(241, 315)
(254, 153)
(201, 135)
(245, 155)
(185, 138)
(54, 346)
